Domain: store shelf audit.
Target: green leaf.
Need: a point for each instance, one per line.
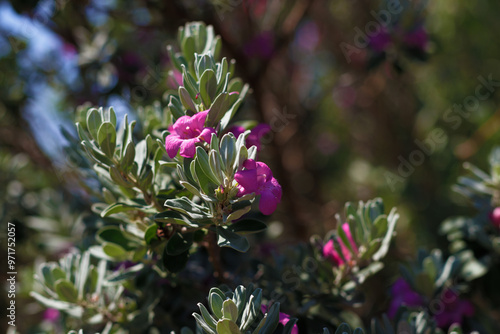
(150, 234)
(108, 115)
(202, 159)
(215, 302)
(188, 48)
(226, 238)
(207, 316)
(179, 243)
(238, 214)
(66, 291)
(229, 310)
(175, 107)
(273, 316)
(58, 273)
(186, 100)
(208, 86)
(118, 178)
(107, 139)
(227, 327)
(128, 158)
(119, 207)
(217, 110)
(94, 121)
(114, 235)
(175, 263)
(247, 226)
(187, 207)
(228, 151)
(203, 324)
(392, 220)
(71, 309)
(175, 217)
(114, 251)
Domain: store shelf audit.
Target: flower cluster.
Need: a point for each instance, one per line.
(330, 253)
(258, 178)
(252, 177)
(415, 39)
(447, 310)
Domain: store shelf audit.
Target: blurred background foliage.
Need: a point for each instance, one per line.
(340, 124)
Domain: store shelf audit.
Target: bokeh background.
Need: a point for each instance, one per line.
(346, 102)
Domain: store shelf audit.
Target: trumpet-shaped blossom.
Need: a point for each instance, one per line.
(258, 178)
(186, 133)
(331, 253)
(284, 319)
(255, 135)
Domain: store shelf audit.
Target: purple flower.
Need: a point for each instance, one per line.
(331, 253)
(495, 217)
(186, 133)
(51, 315)
(284, 319)
(261, 46)
(381, 40)
(258, 178)
(451, 309)
(416, 38)
(255, 135)
(402, 294)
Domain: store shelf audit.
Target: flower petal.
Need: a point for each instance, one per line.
(206, 134)
(247, 181)
(172, 144)
(269, 198)
(188, 149)
(264, 171)
(198, 120)
(180, 126)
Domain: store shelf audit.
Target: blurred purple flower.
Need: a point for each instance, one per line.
(284, 319)
(255, 135)
(261, 46)
(452, 309)
(381, 40)
(331, 253)
(186, 133)
(258, 178)
(495, 217)
(416, 38)
(402, 294)
(307, 37)
(51, 315)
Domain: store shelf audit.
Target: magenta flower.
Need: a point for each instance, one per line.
(381, 40)
(186, 133)
(495, 217)
(284, 319)
(416, 38)
(51, 315)
(402, 294)
(331, 253)
(255, 135)
(258, 178)
(450, 309)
